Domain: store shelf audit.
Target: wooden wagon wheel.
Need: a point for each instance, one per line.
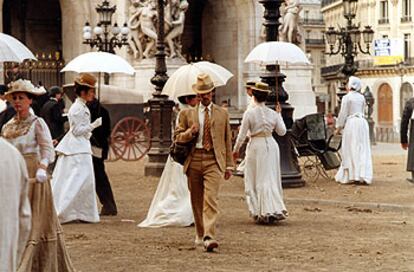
(130, 139)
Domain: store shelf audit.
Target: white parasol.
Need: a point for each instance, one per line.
(271, 53)
(99, 62)
(12, 50)
(181, 81)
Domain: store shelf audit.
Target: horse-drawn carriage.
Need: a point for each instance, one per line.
(130, 138)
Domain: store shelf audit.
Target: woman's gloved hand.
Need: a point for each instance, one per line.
(41, 175)
(97, 123)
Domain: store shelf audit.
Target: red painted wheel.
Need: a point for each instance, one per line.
(130, 139)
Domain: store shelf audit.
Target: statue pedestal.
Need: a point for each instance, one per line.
(145, 70)
(298, 84)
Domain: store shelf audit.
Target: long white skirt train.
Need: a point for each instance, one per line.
(262, 178)
(73, 187)
(171, 205)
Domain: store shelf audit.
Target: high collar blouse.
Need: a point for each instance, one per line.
(30, 136)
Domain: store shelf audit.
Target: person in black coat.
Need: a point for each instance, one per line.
(52, 112)
(100, 149)
(408, 143)
(9, 112)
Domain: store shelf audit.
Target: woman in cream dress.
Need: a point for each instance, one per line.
(262, 176)
(356, 163)
(73, 177)
(45, 249)
(171, 204)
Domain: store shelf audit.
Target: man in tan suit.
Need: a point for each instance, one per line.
(210, 159)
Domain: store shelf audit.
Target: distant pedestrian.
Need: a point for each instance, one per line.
(356, 163)
(408, 142)
(9, 112)
(100, 148)
(52, 113)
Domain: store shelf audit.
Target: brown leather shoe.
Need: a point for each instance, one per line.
(210, 244)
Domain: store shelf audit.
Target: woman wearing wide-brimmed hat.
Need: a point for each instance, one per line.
(171, 205)
(45, 249)
(356, 163)
(73, 181)
(262, 176)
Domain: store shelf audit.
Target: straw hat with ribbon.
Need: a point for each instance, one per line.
(25, 86)
(86, 79)
(261, 87)
(204, 84)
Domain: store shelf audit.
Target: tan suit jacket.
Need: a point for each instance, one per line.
(220, 134)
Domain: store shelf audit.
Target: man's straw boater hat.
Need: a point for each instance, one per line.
(23, 86)
(204, 84)
(86, 79)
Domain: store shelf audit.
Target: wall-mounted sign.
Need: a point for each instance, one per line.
(388, 51)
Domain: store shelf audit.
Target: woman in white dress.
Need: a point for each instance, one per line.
(73, 177)
(171, 205)
(262, 176)
(45, 249)
(356, 163)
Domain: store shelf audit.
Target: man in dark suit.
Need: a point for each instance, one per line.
(100, 149)
(407, 128)
(52, 112)
(9, 112)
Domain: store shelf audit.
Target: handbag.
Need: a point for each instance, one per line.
(180, 151)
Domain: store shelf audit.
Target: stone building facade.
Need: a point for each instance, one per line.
(391, 84)
(222, 31)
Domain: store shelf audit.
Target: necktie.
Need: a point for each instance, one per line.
(207, 143)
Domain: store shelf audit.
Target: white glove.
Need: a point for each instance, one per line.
(97, 123)
(41, 175)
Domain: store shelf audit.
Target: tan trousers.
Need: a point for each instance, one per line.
(204, 179)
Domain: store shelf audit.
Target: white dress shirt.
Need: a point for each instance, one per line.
(201, 114)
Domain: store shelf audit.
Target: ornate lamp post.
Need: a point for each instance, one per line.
(104, 36)
(370, 100)
(160, 106)
(290, 169)
(348, 39)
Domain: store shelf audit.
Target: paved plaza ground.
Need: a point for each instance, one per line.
(331, 227)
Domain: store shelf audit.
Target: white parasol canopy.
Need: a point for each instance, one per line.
(99, 62)
(181, 81)
(270, 53)
(12, 50)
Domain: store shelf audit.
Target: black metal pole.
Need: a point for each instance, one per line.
(291, 175)
(160, 106)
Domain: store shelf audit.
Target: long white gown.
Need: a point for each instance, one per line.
(73, 180)
(262, 177)
(356, 148)
(171, 205)
(15, 220)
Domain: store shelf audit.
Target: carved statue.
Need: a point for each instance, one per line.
(289, 22)
(177, 29)
(142, 22)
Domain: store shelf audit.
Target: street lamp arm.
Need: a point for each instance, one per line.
(366, 52)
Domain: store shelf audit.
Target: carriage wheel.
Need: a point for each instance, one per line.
(310, 169)
(130, 139)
